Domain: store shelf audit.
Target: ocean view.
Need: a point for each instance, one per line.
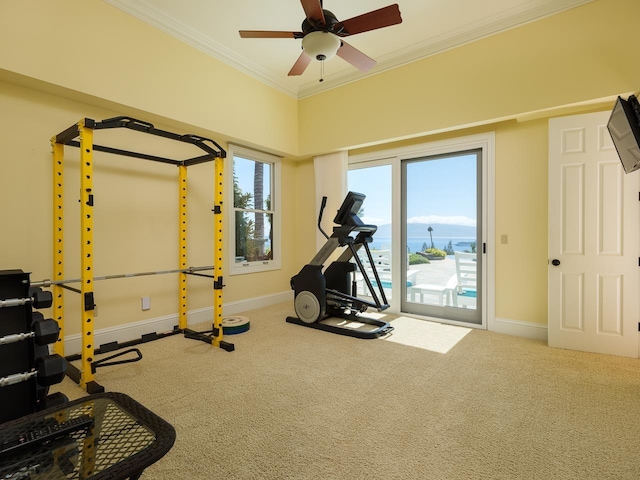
(417, 234)
(415, 244)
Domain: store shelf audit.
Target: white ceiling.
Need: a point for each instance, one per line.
(428, 27)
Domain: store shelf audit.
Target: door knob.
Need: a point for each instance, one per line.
(555, 262)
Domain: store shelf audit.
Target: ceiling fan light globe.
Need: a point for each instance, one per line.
(321, 45)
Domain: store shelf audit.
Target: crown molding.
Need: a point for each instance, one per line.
(511, 18)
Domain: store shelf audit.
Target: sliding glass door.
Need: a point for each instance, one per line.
(442, 231)
(433, 205)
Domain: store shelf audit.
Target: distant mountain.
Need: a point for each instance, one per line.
(419, 230)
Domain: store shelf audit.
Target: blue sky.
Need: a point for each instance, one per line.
(439, 191)
(244, 170)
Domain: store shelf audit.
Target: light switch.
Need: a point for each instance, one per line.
(146, 303)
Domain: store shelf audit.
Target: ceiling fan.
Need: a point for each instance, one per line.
(322, 35)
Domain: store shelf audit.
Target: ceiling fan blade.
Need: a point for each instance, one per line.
(301, 64)
(313, 11)
(355, 57)
(269, 34)
(383, 17)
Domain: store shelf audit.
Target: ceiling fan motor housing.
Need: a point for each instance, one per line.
(329, 18)
(319, 40)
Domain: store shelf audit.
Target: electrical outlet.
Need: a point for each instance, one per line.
(146, 303)
(504, 239)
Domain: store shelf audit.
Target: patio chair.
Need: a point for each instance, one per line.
(465, 293)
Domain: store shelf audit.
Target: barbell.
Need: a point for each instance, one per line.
(48, 283)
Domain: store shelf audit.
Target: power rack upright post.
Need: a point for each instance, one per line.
(84, 132)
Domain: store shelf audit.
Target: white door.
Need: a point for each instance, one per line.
(593, 240)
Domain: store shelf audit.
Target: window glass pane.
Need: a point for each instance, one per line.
(441, 230)
(375, 183)
(252, 184)
(255, 221)
(254, 236)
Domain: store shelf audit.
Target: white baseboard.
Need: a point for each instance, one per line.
(233, 308)
(135, 330)
(519, 328)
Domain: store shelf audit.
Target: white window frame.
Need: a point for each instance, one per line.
(276, 209)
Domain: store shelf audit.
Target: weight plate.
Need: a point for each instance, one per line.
(235, 324)
(307, 307)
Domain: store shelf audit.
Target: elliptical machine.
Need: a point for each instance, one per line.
(328, 300)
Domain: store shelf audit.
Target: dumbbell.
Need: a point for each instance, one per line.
(44, 331)
(53, 400)
(41, 351)
(38, 298)
(49, 370)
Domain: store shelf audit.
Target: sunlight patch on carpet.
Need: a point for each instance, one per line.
(436, 337)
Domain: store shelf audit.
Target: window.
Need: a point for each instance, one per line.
(254, 219)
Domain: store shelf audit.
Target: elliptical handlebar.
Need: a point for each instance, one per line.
(322, 207)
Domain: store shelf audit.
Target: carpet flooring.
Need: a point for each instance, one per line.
(430, 402)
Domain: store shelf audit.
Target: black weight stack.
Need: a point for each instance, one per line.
(20, 398)
(23, 356)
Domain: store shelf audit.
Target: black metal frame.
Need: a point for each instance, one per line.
(68, 136)
(123, 454)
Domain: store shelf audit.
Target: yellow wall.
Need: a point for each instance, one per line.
(521, 213)
(541, 69)
(136, 212)
(70, 59)
(575, 56)
(60, 63)
(90, 47)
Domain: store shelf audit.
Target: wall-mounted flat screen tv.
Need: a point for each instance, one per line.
(624, 127)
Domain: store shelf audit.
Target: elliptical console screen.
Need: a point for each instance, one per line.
(348, 212)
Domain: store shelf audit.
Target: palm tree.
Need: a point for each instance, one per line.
(431, 236)
(244, 226)
(258, 181)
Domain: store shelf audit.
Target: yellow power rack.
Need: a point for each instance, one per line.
(81, 135)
